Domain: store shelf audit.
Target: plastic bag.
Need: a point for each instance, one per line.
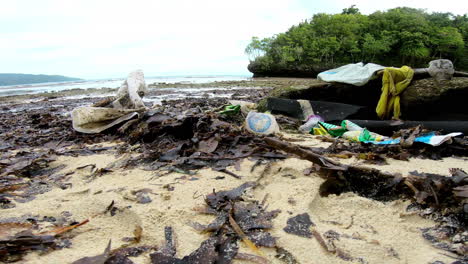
(261, 123)
(311, 122)
(245, 106)
(127, 105)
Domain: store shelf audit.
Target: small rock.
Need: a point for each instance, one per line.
(457, 238)
(143, 198)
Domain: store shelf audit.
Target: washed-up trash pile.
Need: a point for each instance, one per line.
(394, 82)
(408, 147)
(352, 132)
(347, 130)
(373, 147)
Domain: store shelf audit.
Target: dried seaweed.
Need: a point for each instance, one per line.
(252, 258)
(223, 198)
(117, 256)
(99, 259)
(285, 256)
(235, 220)
(13, 247)
(299, 225)
(242, 235)
(196, 139)
(205, 254)
(18, 238)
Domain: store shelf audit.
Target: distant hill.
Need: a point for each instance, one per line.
(18, 78)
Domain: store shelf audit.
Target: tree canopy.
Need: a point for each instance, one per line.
(399, 36)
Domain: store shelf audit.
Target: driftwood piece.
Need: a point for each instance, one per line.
(305, 154)
(423, 73)
(460, 74)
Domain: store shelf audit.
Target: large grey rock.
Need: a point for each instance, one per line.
(441, 69)
(436, 100)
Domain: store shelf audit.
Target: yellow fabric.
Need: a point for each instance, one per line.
(394, 82)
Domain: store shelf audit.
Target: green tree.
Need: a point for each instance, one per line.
(257, 47)
(352, 10)
(440, 19)
(372, 46)
(447, 41)
(413, 46)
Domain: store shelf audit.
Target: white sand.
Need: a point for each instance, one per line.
(378, 230)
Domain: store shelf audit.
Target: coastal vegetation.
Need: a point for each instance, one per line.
(399, 36)
(17, 78)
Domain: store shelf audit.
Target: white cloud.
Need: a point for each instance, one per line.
(108, 38)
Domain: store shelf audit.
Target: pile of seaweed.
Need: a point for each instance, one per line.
(31, 137)
(195, 139)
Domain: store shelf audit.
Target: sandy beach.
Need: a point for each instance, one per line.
(148, 200)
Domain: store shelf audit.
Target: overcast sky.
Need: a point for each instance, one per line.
(109, 38)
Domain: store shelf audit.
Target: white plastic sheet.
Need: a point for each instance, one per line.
(356, 74)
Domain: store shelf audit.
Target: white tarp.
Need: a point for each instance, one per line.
(356, 74)
(127, 105)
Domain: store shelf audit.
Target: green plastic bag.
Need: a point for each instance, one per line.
(231, 110)
(336, 131)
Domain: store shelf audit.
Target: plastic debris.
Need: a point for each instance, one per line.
(351, 131)
(245, 106)
(231, 110)
(356, 74)
(312, 121)
(261, 123)
(430, 139)
(127, 105)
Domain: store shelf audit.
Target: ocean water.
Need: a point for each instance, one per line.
(108, 83)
